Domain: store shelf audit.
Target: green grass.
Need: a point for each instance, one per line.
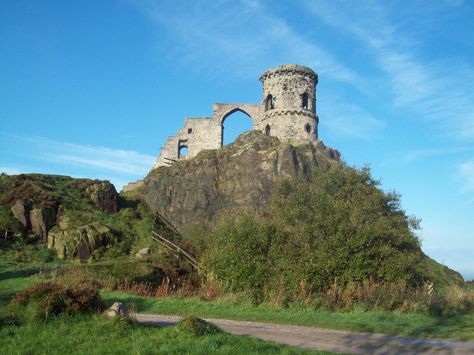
(19, 264)
(97, 335)
(11, 283)
(459, 327)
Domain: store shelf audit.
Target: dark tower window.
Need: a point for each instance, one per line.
(307, 128)
(304, 101)
(190, 130)
(269, 102)
(267, 130)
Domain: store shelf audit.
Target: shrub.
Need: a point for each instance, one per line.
(49, 298)
(337, 226)
(238, 254)
(453, 300)
(196, 327)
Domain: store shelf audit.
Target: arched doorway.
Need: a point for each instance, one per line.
(267, 130)
(182, 148)
(234, 124)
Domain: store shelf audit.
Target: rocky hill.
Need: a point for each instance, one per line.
(75, 217)
(240, 174)
(84, 218)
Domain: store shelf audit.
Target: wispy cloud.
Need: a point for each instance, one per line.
(466, 171)
(10, 170)
(115, 160)
(342, 119)
(238, 38)
(116, 165)
(441, 92)
(417, 154)
(244, 37)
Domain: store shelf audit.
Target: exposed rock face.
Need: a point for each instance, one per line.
(241, 174)
(104, 196)
(38, 226)
(20, 212)
(81, 241)
(37, 201)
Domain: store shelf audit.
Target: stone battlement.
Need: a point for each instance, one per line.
(289, 69)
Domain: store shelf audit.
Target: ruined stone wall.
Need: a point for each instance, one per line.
(221, 111)
(287, 111)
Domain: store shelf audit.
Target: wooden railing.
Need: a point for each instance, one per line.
(163, 231)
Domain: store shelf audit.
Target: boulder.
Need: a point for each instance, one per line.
(118, 309)
(41, 220)
(143, 252)
(104, 196)
(38, 226)
(20, 212)
(82, 242)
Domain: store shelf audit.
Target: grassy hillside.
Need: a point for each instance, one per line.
(76, 217)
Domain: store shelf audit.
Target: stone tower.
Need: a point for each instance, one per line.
(289, 102)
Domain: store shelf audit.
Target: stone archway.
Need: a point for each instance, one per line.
(229, 111)
(235, 130)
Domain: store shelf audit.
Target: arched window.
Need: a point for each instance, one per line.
(307, 128)
(182, 151)
(269, 102)
(182, 148)
(267, 130)
(304, 101)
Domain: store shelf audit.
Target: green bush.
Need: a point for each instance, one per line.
(339, 226)
(196, 327)
(238, 254)
(49, 298)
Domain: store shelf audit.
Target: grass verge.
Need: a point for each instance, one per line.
(97, 335)
(460, 327)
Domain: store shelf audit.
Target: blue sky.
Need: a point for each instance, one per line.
(93, 89)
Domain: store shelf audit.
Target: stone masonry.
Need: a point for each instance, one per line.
(287, 111)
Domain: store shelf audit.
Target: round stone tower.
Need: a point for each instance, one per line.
(289, 100)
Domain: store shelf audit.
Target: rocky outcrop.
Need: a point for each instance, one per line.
(81, 242)
(20, 212)
(241, 174)
(41, 220)
(104, 196)
(62, 210)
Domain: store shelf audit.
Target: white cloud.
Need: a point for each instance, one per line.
(340, 118)
(116, 165)
(466, 171)
(10, 170)
(437, 91)
(417, 154)
(238, 38)
(114, 160)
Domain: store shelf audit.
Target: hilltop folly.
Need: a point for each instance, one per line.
(287, 111)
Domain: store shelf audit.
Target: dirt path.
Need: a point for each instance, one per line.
(326, 339)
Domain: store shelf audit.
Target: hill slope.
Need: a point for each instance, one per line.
(243, 174)
(76, 217)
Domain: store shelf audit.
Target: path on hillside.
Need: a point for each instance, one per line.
(325, 339)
